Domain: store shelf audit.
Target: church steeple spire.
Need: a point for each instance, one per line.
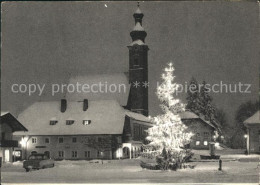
(138, 67)
(138, 32)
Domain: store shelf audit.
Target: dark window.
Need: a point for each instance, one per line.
(34, 140)
(258, 132)
(86, 122)
(136, 63)
(87, 154)
(69, 122)
(198, 134)
(60, 139)
(206, 134)
(47, 140)
(53, 122)
(61, 153)
(98, 153)
(74, 140)
(74, 154)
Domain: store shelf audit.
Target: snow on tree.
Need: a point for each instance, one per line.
(168, 135)
(193, 98)
(207, 109)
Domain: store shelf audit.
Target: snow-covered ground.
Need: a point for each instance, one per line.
(129, 171)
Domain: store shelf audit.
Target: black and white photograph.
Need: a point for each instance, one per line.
(130, 92)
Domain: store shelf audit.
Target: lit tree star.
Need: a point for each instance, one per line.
(136, 84)
(145, 84)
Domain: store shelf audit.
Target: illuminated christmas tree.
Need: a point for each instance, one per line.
(168, 136)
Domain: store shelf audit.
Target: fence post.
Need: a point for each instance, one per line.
(220, 165)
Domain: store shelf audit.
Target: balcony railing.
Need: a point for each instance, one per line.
(8, 143)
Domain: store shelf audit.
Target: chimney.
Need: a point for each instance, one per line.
(63, 105)
(85, 104)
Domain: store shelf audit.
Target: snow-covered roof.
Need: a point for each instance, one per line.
(138, 27)
(188, 115)
(255, 119)
(138, 11)
(137, 116)
(107, 117)
(11, 121)
(104, 81)
(138, 42)
(3, 113)
(191, 115)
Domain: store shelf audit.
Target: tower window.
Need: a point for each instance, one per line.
(136, 63)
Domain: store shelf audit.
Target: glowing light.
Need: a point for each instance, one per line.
(24, 141)
(216, 144)
(106, 5)
(245, 136)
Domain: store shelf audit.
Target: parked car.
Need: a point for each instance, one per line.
(38, 161)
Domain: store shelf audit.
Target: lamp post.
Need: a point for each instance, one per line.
(246, 136)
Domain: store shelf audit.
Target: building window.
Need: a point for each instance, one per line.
(206, 134)
(47, 140)
(198, 134)
(60, 139)
(34, 140)
(74, 140)
(53, 122)
(61, 153)
(205, 143)
(98, 153)
(86, 122)
(258, 132)
(69, 122)
(197, 143)
(136, 63)
(74, 154)
(87, 154)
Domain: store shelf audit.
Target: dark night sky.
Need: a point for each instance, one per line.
(47, 42)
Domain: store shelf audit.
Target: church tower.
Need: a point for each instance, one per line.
(138, 67)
